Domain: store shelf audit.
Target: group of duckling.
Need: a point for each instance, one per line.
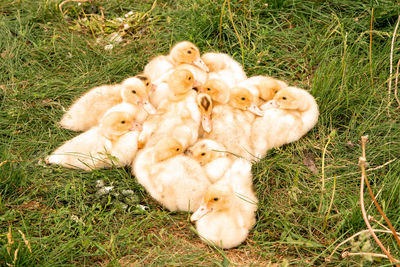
(189, 127)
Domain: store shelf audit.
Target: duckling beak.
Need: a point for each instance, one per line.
(148, 107)
(199, 213)
(254, 109)
(268, 105)
(196, 84)
(136, 127)
(200, 63)
(206, 122)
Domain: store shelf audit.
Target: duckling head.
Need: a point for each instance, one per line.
(290, 98)
(242, 98)
(206, 150)
(180, 84)
(268, 87)
(218, 198)
(134, 91)
(150, 87)
(117, 123)
(187, 53)
(217, 89)
(166, 148)
(205, 105)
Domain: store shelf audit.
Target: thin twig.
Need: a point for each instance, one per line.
(353, 236)
(391, 58)
(323, 174)
(66, 1)
(236, 32)
(362, 161)
(330, 205)
(395, 83)
(220, 25)
(346, 254)
(380, 210)
(372, 219)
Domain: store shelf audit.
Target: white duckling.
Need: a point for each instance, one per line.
(289, 116)
(87, 111)
(176, 181)
(179, 115)
(223, 66)
(266, 86)
(231, 122)
(174, 89)
(212, 157)
(182, 53)
(113, 142)
(227, 211)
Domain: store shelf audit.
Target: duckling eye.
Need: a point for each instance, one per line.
(147, 84)
(134, 91)
(123, 122)
(243, 98)
(203, 154)
(276, 91)
(208, 89)
(177, 149)
(216, 199)
(189, 52)
(189, 78)
(284, 97)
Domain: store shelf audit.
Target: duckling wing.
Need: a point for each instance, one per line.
(86, 151)
(87, 111)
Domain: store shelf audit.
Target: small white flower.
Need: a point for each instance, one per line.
(130, 13)
(126, 26)
(108, 47)
(120, 19)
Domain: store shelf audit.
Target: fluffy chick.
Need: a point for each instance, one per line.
(182, 53)
(176, 181)
(87, 111)
(113, 142)
(289, 116)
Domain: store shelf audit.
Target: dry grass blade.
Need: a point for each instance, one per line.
(362, 162)
(391, 58)
(395, 84)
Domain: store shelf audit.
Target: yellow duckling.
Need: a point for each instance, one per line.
(212, 157)
(113, 142)
(266, 86)
(223, 66)
(87, 111)
(182, 53)
(227, 211)
(231, 122)
(289, 116)
(178, 116)
(176, 181)
(178, 85)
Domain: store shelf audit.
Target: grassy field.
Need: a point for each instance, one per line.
(49, 55)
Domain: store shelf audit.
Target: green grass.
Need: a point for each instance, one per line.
(47, 59)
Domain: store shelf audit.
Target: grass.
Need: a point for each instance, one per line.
(48, 58)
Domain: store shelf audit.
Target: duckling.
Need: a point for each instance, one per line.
(178, 116)
(289, 116)
(231, 122)
(113, 142)
(173, 179)
(211, 156)
(224, 67)
(87, 110)
(266, 86)
(182, 53)
(176, 87)
(227, 211)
